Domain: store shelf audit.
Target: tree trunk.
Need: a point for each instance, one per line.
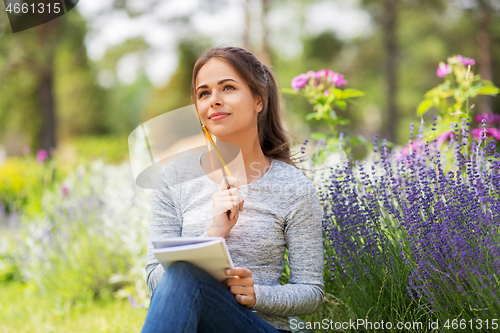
(47, 35)
(484, 52)
(246, 30)
(265, 57)
(391, 47)
(46, 104)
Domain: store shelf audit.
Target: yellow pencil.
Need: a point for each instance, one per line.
(224, 166)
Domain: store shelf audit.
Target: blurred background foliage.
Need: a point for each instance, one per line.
(394, 62)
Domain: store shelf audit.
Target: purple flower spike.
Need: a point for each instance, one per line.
(466, 61)
(41, 156)
(299, 81)
(134, 303)
(443, 70)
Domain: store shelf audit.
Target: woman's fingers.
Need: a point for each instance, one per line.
(241, 285)
(242, 290)
(241, 272)
(249, 301)
(227, 203)
(222, 206)
(227, 200)
(231, 182)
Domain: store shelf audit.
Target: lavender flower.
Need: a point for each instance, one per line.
(435, 220)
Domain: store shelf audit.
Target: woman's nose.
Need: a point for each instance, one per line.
(215, 100)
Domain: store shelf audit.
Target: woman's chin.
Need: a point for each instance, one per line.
(224, 136)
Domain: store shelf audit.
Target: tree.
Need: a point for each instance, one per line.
(48, 88)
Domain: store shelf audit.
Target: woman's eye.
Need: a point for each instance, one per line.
(228, 87)
(203, 93)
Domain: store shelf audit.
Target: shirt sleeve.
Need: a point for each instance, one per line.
(303, 233)
(166, 221)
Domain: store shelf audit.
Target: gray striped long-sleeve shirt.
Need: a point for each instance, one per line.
(281, 210)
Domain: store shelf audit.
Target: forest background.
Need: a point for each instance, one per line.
(107, 66)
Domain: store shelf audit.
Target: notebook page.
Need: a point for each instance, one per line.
(213, 257)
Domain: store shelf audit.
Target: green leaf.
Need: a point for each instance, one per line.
(343, 121)
(488, 90)
(424, 106)
(311, 115)
(350, 93)
(361, 139)
(341, 104)
(318, 136)
(289, 91)
(330, 98)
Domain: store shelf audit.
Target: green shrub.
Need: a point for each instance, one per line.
(90, 241)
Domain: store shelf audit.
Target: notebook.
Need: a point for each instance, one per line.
(208, 253)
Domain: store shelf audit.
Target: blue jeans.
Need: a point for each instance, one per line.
(188, 299)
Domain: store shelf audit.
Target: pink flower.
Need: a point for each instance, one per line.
(490, 132)
(323, 73)
(415, 145)
(326, 92)
(312, 77)
(299, 81)
(64, 191)
(443, 70)
(331, 78)
(41, 156)
(443, 137)
(337, 79)
(466, 61)
(491, 118)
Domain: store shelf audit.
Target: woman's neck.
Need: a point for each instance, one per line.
(255, 162)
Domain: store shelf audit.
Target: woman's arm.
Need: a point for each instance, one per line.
(166, 221)
(303, 233)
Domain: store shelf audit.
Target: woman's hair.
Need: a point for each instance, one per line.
(273, 138)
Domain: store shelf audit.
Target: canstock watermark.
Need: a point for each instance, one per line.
(26, 14)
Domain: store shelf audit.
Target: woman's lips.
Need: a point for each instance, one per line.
(219, 116)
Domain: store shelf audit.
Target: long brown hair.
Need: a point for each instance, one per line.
(273, 137)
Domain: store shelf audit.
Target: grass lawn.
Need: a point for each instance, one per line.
(22, 311)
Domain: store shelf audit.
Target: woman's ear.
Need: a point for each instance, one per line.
(259, 105)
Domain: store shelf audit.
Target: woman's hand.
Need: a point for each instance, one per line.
(241, 286)
(225, 200)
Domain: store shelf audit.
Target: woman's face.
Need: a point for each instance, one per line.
(224, 101)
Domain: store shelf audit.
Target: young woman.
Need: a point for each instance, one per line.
(237, 98)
